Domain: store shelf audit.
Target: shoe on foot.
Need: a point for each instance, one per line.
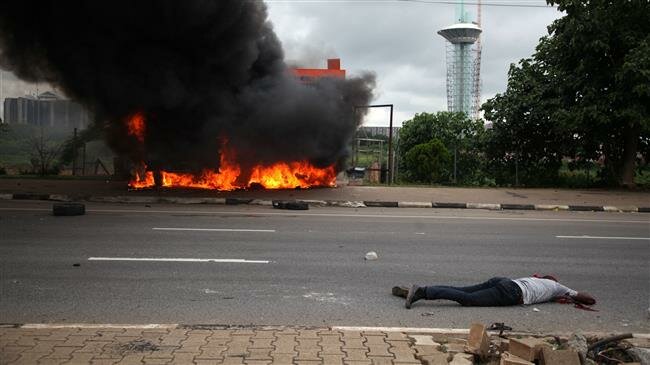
(400, 291)
(415, 293)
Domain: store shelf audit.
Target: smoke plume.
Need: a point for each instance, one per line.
(200, 71)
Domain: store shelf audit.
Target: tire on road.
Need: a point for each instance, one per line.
(290, 205)
(68, 209)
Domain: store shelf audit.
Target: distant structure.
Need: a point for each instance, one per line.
(464, 63)
(374, 132)
(47, 109)
(309, 75)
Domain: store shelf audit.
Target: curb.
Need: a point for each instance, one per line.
(411, 330)
(330, 203)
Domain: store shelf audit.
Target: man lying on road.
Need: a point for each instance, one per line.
(498, 292)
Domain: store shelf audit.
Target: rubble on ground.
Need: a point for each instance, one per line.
(486, 347)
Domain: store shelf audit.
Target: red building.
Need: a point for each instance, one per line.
(308, 75)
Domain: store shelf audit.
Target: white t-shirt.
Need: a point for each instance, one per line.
(538, 290)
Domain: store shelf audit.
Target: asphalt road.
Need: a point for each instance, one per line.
(316, 273)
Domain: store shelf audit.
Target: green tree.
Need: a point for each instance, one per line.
(595, 68)
(427, 162)
(526, 144)
(454, 131)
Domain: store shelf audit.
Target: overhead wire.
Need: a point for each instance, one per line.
(499, 3)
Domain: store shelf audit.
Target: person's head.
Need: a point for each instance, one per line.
(584, 298)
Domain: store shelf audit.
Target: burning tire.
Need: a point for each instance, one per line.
(290, 205)
(68, 209)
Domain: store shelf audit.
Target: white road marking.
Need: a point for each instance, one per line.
(606, 238)
(215, 230)
(235, 261)
(258, 213)
(97, 325)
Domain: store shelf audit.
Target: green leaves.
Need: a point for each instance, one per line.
(583, 95)
(428, 162)
(453, 131)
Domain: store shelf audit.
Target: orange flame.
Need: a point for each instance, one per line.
(280, 175)
(136, 126)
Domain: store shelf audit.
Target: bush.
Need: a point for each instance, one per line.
(427, 162)
(642, 178)
(454, 131)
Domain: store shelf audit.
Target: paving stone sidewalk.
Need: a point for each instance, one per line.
(203, 346)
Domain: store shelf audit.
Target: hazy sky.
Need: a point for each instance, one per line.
(398, 41)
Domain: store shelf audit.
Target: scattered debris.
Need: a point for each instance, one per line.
(559, 357)
(528, 349)
(68, 209)
(371, 256)
(536, 310)
(478, 342)
(76, 265)
(427, 314)
(576, 349)
(499, 326)
(639, 354)
(290, 205)
(462, 359)
(578, 343)
(139, 346)
(510, 359)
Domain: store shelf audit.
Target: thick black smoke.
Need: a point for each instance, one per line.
(201, 71)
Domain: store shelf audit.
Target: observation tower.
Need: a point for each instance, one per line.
(464, 63)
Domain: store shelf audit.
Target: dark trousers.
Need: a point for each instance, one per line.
(492, 293)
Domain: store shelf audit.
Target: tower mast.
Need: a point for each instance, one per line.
(462, 79)
(477, 66)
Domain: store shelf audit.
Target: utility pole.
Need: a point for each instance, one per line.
(2, 96)
(74, 153)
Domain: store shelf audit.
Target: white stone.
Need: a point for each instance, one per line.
(371, 256)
